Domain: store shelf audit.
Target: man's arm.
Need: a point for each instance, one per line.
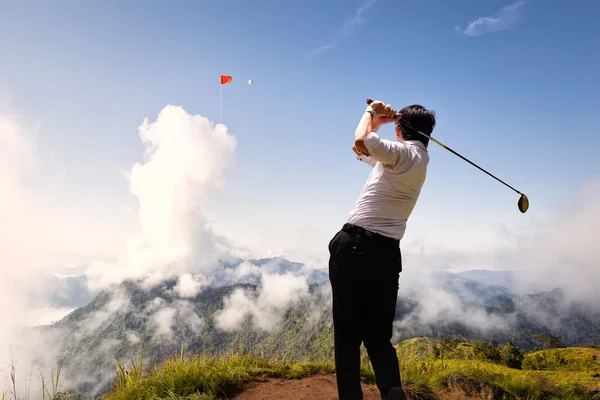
(366, 159)
(385, 151)
(365, 126)
(374, 116)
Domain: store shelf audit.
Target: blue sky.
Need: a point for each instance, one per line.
(514, 86)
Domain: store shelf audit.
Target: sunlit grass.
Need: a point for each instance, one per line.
(424, 373)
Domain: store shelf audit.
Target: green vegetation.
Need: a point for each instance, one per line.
(429, 363)
(565, 360)
(548, 341)
(421, 362)
(426, 365)
(203, 377)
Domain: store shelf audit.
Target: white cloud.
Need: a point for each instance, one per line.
(184, 164)
(357, 20)
(322, 49)
(185, 160)
(502, 20)
(31, 238)
(243, 270)
(162, 321)
(564, 251)
(265, 309)
(166, 318)
(237, 307)
(133, 337)
(189, 285)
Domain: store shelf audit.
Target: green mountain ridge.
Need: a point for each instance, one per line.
(127, 319)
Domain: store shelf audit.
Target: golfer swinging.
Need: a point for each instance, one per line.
(365, 260)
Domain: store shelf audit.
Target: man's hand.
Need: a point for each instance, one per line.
(384, 114)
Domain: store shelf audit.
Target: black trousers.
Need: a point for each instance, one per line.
(364, 268)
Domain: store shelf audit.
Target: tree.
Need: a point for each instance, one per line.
(446, 347)
(548, 341)
(593, 345)
(512, 356)
(486, 352)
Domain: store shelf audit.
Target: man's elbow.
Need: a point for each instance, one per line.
(360, 145)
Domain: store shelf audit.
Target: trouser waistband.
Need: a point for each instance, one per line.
(351, 228)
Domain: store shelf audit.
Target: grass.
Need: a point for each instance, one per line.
(209, 378)
(51, 392)
(424, 372)
(573, 379)
(564, 359)
(204, 377)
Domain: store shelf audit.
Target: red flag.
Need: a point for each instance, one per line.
(225, 79)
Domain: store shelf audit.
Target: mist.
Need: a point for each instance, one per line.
(265, 309)
(560, 252)
(564, 251)
(184, 164)
(184, 161)
(24, 243)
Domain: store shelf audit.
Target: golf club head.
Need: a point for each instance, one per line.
(523, 203)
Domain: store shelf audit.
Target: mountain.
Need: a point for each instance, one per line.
(500, 278)
(128, 318)
(511, 280)
(121, 323)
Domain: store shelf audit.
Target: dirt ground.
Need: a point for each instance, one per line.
(319, 387)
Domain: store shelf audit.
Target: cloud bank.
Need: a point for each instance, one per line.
(25, 242)
(185, 161)
(265, 309)
(504, 19)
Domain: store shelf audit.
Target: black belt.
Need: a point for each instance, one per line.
(351, 228)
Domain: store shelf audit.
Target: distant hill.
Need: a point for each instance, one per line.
(512, 280)
(500, 278)
(119, 323)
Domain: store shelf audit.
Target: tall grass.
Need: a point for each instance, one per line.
(209, 377)
(204, 376)
(51, 392)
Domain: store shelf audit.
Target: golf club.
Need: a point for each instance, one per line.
(523, 200)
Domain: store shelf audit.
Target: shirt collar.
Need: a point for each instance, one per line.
(417, 143)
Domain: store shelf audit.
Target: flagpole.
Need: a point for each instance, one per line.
(221, 103)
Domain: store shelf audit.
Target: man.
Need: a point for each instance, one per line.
(365, 260)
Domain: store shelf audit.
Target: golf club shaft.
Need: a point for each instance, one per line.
(369, 101)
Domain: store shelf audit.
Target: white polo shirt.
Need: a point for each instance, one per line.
(393, 187)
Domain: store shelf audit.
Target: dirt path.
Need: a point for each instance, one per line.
(319, 387)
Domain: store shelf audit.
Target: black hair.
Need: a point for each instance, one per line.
(419, 119)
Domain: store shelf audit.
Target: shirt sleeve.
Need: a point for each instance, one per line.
(367, 160)
(385, 151)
